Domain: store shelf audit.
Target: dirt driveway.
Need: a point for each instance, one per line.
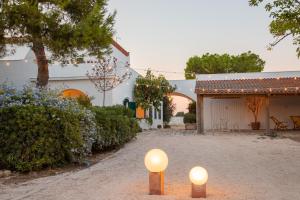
(240, 167)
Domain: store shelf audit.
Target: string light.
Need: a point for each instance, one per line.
(7, 63)
(26, 61)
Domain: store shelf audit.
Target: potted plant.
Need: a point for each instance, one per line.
(254, 104)
(189, 120)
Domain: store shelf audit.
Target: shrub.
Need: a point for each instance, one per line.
(115, 127)
(33, 137)
(38, 129)
(189, 118)
(179, 114)
(84, 101)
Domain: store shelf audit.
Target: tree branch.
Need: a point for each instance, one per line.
(280, 39)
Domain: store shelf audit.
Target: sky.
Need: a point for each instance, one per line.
(163, 34)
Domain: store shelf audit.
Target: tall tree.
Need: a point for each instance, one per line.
(63, 27)
(168, 109)
(286, 19)
(215, 63)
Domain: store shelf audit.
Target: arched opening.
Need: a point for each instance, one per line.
(182, 103)
(73, 93)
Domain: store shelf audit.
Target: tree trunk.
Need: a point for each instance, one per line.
(103, 103)
(42, 62)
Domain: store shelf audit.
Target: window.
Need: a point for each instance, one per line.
(150, 113)
(155, 113)
(159, 113)
(126, 102)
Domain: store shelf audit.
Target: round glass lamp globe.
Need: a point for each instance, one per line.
(198, 175)
(156, 160)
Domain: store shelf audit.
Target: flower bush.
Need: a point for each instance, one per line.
(39, 129)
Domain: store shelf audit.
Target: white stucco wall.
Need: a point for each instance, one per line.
(22, 70)
(156, 120)
(232, 114)
(18, 71)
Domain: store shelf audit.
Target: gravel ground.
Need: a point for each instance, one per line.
(240, 167)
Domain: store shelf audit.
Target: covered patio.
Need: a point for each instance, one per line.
(280, 92)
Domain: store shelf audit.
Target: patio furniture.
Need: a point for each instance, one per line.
(279, 125)
(296, 121)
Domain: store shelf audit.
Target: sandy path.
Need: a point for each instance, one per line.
(240, 167)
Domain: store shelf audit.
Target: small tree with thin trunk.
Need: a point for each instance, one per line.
(106, 75)
(63, 27)
(254, 104)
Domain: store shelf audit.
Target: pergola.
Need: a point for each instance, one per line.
(265, 87)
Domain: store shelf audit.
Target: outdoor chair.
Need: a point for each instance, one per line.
(296, 121)
(279, 125)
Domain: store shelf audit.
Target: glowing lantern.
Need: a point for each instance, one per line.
(198, 177)
(156, 161)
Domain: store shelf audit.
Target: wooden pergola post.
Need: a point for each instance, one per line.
(200, 114)
(267, 117)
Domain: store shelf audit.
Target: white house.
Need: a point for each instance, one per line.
(21, 68)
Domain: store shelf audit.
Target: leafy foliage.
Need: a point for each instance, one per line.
(38, 129)
(34, 124)
(168, 109)
(34, 137)
(179, 114)
(189, 118)
(192, 107)
(150, 90)
(286, 19)
(215, 63)
(64, 27)
(116, 126)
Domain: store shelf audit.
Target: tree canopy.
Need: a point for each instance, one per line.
(286, 19)
(63, 27)
(150, 90)
(225, 63)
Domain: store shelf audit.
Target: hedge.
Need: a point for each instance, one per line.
(116, 126)
(189, 118)
(38, 129)
(34, 137)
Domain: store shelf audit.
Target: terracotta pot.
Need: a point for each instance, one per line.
(190, 126)
(255, 125)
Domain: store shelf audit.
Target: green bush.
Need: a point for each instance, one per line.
(179, 114)
(115, 127)
(34, 137)
(189, 118)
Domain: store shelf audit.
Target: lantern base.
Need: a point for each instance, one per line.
(156, 183)
(198, 191)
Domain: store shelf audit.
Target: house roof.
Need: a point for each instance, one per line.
(120, 48)
(20, 52)
(271, 83)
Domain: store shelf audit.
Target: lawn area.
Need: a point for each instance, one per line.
(240, 166)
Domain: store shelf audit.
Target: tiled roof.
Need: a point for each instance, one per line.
(249, 86)
(120, 48)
